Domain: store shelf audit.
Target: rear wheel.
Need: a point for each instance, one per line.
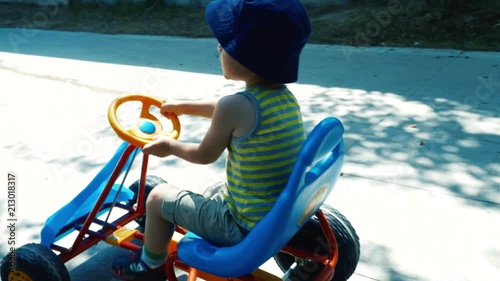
(33, 262)
(311, 238)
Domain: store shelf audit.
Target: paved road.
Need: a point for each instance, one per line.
(421, 180)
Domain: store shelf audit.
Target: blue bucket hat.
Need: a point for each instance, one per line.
(265, 36)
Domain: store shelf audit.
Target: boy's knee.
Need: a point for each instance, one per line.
(157, 195)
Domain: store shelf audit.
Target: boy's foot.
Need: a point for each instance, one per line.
(134, 269)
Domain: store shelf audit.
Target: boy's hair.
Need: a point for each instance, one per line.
(265, 36)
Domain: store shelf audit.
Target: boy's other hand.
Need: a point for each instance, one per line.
(160, 147)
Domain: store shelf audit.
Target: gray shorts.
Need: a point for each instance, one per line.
(206, 215)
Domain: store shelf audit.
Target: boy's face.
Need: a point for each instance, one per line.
(232, 69)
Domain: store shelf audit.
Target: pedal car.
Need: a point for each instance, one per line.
(308, 239)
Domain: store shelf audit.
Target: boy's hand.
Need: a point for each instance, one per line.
(159, 147)
(171, 107)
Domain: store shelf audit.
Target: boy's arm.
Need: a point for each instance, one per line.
(228, 115)
(204, 108)
(224, 122)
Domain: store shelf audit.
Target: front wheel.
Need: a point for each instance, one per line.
(311, 238)
(33, 262)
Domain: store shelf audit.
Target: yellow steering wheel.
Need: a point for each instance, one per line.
(148, 126)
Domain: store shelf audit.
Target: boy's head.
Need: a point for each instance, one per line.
(265, 36)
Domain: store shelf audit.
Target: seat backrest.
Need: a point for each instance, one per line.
(313, 177)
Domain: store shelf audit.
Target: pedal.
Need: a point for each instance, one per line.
(120, 235)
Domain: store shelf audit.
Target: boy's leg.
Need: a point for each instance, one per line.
(166, 205)
(158, 233)
(207, 215)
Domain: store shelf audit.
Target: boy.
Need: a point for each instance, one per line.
(260, 42)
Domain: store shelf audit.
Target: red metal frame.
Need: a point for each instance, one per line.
(82, 243)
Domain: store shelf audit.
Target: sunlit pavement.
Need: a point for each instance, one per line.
(421, 181)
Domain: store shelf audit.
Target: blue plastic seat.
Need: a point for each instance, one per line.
(315, 173)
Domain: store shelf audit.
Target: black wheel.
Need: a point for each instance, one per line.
(311, 238)
(33, 262)
(151, 182)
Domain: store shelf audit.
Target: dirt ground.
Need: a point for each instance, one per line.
(473, 27)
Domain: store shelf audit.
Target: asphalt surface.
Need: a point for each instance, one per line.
(421, 179)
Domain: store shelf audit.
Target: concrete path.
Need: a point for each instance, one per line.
(421, 180)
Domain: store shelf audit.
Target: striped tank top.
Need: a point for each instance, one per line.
(259, 164)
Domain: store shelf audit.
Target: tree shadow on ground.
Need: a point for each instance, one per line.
(438, 118)
(407, 142)
(379, 256)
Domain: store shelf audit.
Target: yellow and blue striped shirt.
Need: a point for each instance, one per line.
(259, 164)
